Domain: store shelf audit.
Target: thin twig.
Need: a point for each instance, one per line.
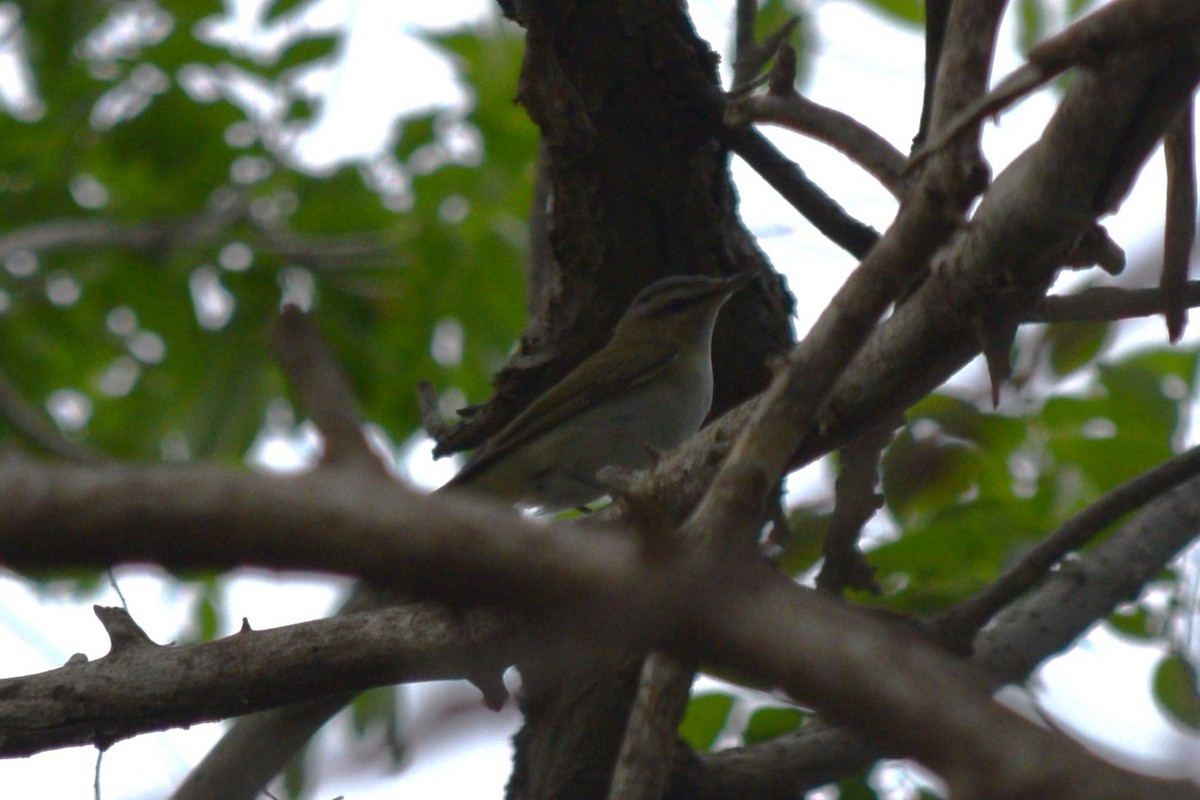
(744, 68)
(857, 501)
(74, 234)
(116, 587)
(1180, 231)
(1108, 304)
(326, 395)
(937, 12)
(335, 252)
(432, 422)
(842, 132)
(960, 623)
(793, 185)
(750, 56)
(38, 429)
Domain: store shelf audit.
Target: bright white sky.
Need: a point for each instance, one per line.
(868, 68)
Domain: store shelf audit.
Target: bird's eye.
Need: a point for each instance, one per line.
(676, 305)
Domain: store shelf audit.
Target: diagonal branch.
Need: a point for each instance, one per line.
(960, 624)
(783, 105)
(36, 427)
(319, 380)
(1060, 610)
(806, 197)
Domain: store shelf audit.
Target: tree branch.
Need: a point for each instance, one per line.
(737, 612)
(1060, 609)
(1117, 27)
(960, 624)
(318, 378)
(135, 690)
(37, 428)
(785, 177)
(1108, 304)
(934, 208)
(1180, 232)
(1026, 226)
(783, 105)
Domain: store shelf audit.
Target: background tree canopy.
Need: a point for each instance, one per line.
(168, 182)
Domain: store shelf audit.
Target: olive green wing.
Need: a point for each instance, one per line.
(611, 373)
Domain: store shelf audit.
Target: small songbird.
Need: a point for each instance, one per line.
(647, 390)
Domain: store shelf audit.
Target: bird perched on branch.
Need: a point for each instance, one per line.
(647, 390)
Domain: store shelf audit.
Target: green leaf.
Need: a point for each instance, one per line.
(209, 618)
(960, 550)
(805, 539)
(923, 475)
(705, 719)
(1176, 690)
(907, 11)
(1031, 23)
(771, 722)
(306, 51)
(856, 788)
(1134, 623)
(1073, 346)
(278, 8)
(294, 775)
(381, 708)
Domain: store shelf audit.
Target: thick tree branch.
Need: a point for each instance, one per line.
(927, 217)
(736, 612)
(141, 689)
(1028, 223)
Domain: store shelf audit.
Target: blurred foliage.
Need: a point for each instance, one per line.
(772, 16)
(1038, 19)
(707, 714)
(909, 12)
(1177, 690)
(855, 788)
(770, 722)
(158, 205)
(970, 489)
(436, 215)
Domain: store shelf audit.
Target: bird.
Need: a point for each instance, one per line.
(647, 390)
